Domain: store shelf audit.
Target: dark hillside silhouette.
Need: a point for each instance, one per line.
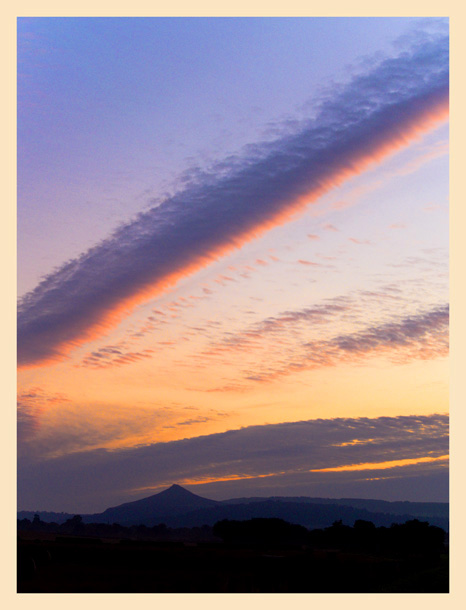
(173, 501)
(178, 507)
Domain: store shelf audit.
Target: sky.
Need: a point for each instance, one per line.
(232, 258)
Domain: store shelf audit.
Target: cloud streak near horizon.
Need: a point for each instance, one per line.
(358, 125)
(298, 451)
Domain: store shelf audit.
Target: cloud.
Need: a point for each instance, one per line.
(109, 356)
(279, 345)
(200, 419)
(312, 337)
(309, 263)
(32, 403)
(432, 207)
(330, 227)
(413, 331)
(84, 426)
(420, 336)
(437, 150)
(318, 314)
(357, 125)
(281, 453)
(425, 154)
(360, 242)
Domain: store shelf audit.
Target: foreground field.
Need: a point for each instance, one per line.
(83, 565)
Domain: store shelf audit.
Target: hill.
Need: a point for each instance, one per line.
(178, 507)
(173, 502)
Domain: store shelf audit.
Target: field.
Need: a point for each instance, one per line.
(84, 565)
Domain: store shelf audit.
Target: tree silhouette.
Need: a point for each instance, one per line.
(74, 525)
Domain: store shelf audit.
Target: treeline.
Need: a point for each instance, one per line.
(262, 555)
(76, 527)
(412, 537)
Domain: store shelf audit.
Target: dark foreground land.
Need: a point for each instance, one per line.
(260, 556)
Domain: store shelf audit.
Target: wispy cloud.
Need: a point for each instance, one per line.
(437, 150)
(425, 331)
(310, 263)
(356, 126)
(287, 451)
(200, 419)
(32, 403)
(111, 356)
(280, 345)
(421, 336)
(425, 154)
(330, 227)
(360, 242)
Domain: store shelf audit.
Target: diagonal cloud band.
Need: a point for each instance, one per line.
(358, 125)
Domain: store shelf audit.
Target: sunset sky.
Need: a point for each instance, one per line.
(232, 258)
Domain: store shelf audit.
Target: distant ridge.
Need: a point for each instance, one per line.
(178, 507)
(439, 509)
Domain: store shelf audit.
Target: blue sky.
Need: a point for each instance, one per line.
(113, 111)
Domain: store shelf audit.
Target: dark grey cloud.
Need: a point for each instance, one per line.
(92, 480)
(374, 114)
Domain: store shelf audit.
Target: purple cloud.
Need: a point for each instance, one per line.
(357, 125)
(287, 453)
(420, 336)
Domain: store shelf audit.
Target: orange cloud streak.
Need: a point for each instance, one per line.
(382, 465)
(203, 480)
